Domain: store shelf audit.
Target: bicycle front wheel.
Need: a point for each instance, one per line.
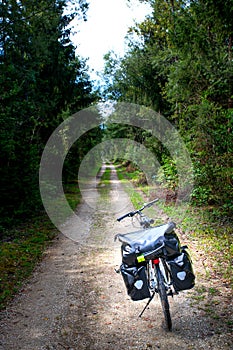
(163, 298)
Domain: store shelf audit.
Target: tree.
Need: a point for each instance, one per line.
(182, 66)
(40, 79)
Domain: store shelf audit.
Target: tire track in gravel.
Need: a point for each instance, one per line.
(75, 300)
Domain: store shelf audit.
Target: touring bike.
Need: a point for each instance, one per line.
(158, 253)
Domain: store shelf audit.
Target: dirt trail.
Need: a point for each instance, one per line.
(75, 300)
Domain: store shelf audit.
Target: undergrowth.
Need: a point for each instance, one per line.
(19, 255)
(22, 248)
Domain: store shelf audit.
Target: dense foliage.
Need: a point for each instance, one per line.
(182, 66)
(42, 82)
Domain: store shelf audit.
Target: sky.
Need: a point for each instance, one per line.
(106, 26)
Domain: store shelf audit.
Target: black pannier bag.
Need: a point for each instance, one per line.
(182, 271)
(169, 244)
(151, 243)
(135, 281)
(129, 254)
(172, 245)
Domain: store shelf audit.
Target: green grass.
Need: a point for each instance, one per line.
(124, 177)
(104, 184)
(105, 178)
(18, 256)
(23, 247)
(72, 193)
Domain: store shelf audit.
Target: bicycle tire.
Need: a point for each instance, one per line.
(163, 298)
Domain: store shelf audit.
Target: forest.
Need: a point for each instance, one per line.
(181, 66)
(179, 63)
(42, 82)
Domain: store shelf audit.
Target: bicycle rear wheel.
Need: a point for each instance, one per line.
(163, 298)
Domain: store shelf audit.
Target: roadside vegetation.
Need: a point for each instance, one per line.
(181, 67)
(23, 247)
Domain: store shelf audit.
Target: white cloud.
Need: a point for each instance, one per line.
(106, 26)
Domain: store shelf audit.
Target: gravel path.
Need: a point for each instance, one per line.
(75, 300)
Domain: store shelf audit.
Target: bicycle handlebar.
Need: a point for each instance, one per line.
(132, 213)
(149, 204)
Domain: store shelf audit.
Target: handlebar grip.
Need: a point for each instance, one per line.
(125, 216)
(151, 203)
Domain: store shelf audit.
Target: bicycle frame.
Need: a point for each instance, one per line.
(165, 270)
